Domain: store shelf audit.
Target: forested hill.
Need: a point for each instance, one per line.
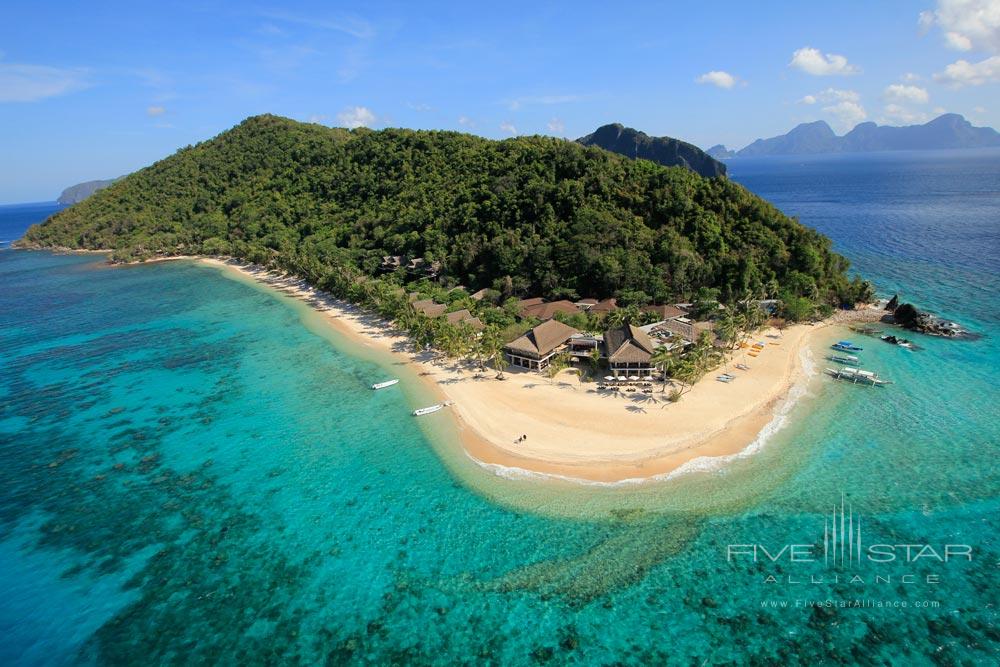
(530, 215)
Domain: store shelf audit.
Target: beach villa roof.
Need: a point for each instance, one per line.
(464, 316)
(481, 294)
(543, 339)
(546, 311)
(665, 312)
(532, 301)
(686, 329)
(429, 308)
(604, 306)
(628, 344)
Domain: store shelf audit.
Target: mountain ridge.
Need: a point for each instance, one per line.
(947, 131)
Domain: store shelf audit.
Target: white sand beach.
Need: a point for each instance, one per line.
(572, 429)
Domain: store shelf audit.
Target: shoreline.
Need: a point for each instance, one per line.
(575, 433)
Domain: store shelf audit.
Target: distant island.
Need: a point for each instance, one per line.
(80, 191)
(667, 151)
(720, 152)
(946, 131)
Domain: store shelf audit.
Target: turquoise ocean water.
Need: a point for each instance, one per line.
(192, 469)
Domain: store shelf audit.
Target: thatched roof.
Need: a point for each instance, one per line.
(429, 308)
(604, 306)
(665, 312)
(546, 311)
(628, 344)
(541, 340)
(687, 330)
(478, 296)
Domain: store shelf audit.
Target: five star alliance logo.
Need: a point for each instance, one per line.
(842, 537)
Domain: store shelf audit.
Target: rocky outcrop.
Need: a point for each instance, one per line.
(667, 151)
(910, 317)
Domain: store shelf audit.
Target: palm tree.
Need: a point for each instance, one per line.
(491, 343)
(666, 358)
(594, 357)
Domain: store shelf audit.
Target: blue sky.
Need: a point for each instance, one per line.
(94, 90)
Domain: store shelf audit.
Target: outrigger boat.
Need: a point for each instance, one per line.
(846, 346)
(857, 376)
(846, 359)
(419, 412)
(383, 385)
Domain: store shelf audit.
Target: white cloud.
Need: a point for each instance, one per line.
(419, 106)
(979, 109)
(350, 25)
(910, 76)
(155, 111)
(508, 128)
(903, 93)
(967, 24)
(556, 126)
(812, 61)
(465, 121)
(30, 83)
(844, 106)
(353, 117)
(963, 73)
(939, 110)
(717, 78)
(837, 95)
(895, 114)
(847, 113)
(958, 41)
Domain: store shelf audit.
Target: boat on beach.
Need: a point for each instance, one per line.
(846, 359)
(857, 376)
(419, 412)
(846, 346)
(383, 385)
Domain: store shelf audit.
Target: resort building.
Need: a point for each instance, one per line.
(629, 351)
(464, 316)
(605, 306)
(665, 312)
(685, 328)
(536, 348)
(548, 309)
(429, 308)
(481, 294)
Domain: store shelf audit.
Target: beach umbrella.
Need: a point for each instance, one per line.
(610, 377)
(633, 377)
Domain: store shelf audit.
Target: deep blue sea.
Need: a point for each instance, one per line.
(192, 470)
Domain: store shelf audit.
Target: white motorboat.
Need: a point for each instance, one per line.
(383, 385)
(419, 412)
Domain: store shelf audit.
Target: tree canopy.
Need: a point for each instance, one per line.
(529, 215)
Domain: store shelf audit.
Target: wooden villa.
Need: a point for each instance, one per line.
(629, 351)
(535, 349)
